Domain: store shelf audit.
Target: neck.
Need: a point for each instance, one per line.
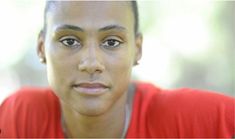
(77, 125)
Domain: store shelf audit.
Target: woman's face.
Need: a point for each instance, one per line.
(90, 49)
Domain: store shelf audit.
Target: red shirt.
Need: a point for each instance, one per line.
(35, 112)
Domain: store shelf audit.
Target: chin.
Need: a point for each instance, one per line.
(91, 109)
(90, 113)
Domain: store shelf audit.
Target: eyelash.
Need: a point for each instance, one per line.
(106, 43)
(116, 42)
(64, 41)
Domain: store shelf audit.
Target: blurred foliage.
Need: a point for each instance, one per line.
(172, 55)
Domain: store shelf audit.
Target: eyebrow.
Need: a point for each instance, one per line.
(113, 27)
(70, 27)
(77, 28)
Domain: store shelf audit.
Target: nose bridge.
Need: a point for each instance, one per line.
(91, 58)
(92, 52)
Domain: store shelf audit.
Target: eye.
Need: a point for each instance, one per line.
(111, 43)
(70, 41)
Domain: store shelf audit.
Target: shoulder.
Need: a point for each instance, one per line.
(144, 96)
(146, 91)
(181, 112)
(189, 112)
(30, 97)
(181, 98)
(193, 100)
(194, 96)
(22, 113)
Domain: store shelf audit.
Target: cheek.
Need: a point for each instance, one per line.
(120, 74)
(120, 67)
(59, 68)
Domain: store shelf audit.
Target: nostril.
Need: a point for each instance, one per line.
(91, 66)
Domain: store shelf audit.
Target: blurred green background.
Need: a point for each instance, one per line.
(187, 43)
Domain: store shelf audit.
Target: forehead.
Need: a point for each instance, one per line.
(91, 14)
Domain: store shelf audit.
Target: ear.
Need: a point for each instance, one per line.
(41, 47)
(138, 45)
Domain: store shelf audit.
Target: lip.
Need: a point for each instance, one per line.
(94, 88)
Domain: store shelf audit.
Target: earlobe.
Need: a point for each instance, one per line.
(41, 48)
(138, 44)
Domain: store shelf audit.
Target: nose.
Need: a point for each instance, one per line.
(91, 61)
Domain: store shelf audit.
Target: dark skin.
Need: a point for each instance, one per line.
(89, 52)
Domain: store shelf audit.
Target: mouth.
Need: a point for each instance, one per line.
(91, 88)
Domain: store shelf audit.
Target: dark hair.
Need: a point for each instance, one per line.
(51, 3)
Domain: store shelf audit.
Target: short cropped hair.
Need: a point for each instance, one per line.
(134, 5)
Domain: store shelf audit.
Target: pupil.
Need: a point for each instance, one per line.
(111, 42)
(70, 41)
